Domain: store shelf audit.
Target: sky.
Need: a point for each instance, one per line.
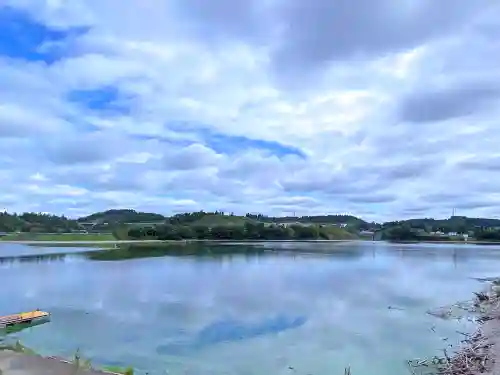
(382, 109)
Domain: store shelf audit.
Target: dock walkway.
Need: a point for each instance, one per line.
(26, 317)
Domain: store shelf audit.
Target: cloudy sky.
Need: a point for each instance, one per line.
(383, 109)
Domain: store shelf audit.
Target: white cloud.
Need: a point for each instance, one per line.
(383, 124)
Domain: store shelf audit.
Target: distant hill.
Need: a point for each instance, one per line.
(202, 218)
(122, 216)
(106, 220)
(319, 219)
(220, 218)
(452, 224)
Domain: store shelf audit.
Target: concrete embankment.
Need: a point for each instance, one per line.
(13, 363)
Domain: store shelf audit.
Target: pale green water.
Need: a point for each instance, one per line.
(272, 313)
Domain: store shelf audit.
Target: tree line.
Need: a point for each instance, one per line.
(42, 222)
(458, 224)
(36, 222)
(407, 233)
(487, 235)
(248, 231)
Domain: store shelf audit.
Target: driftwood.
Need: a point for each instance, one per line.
(473, 358)
(461, 309)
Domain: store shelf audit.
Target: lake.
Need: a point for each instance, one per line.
(275, 308)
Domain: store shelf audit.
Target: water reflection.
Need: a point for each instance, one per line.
(243, 309)
(354, 251)
(20, 327)
(43, 258)
(232, 330)
(226, 250)
(456, 254)
(126, 252)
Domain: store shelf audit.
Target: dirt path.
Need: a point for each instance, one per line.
(12, 363)
(491, 332)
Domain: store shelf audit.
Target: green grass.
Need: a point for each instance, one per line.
(96, 245)
(16, 237)
(336, 233)
(121, 232)
(215, 220)
(59, 237)
(18, 348)
(119, 370)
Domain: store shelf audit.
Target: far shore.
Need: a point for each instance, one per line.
(470, 242)
(112, 242)
(129, 242)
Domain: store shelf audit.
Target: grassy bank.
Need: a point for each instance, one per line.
(56, 237)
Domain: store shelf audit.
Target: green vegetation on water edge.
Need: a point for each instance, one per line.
(406, 233)
(248, 231)
(119, 370)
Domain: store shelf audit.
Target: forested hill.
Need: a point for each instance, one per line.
(122, 216)
(41, 222)
(458, 224)
(218, 218)
(319, 219)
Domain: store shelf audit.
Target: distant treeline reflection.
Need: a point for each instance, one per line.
(145, 251)
(34, 258)
(201, 249)
(125, 252)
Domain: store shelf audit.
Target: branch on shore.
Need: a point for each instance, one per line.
(460, 309)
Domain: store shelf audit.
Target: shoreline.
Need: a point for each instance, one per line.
(128, 242)
(454, 242)
(479, 352)
(236, 242)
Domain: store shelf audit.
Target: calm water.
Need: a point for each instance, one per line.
(298, 311)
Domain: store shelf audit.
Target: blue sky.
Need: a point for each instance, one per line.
(172, 106)
(26, 39)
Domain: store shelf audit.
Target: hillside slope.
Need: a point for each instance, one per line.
(122, 216)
